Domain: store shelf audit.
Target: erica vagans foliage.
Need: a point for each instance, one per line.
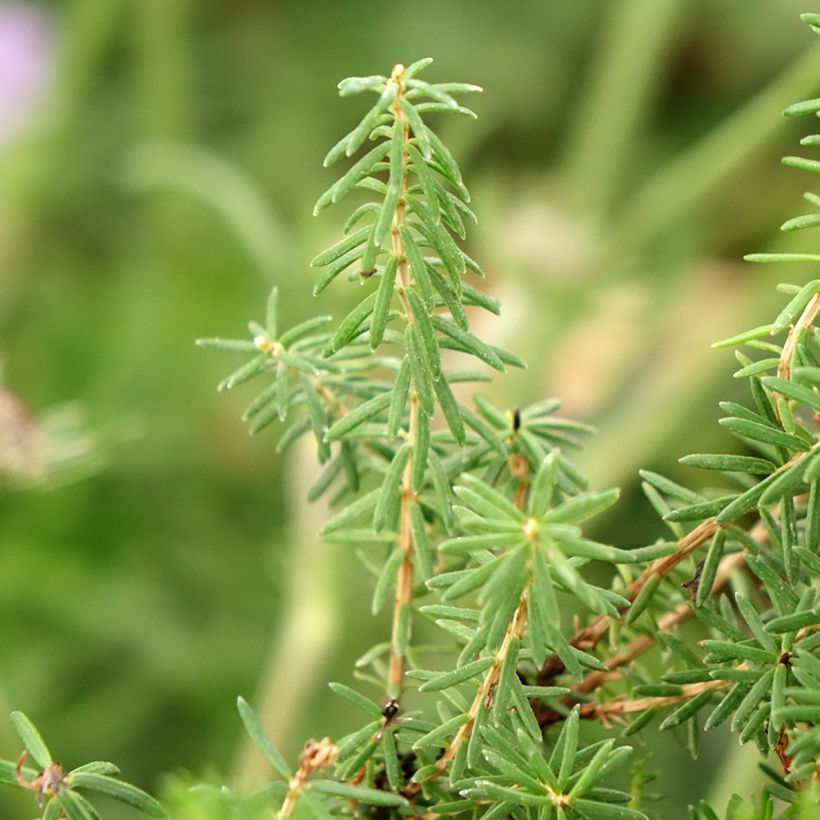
(471, 516)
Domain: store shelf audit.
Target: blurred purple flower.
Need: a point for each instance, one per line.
(26, 60)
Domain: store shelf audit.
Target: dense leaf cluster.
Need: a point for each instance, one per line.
(471, 516)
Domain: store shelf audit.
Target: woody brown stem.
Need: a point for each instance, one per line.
(807, 319)
(316, 755)
(589, 636)
(404, 578)
(613, 709)
(643, 643)
(483, 697)
(485, 691)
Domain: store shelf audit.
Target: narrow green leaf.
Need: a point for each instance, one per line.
(450, 297)
(358, 415)
(710, 566)
(359, 134)
(365, 703)
(303, 329)
(371, 797)
(422, 378)
(592, 770)
(470, 579)
(428, 185)
(425, 334)
(736, 651)
(417, 67)
(441, 735)
(355, 85)
(336, 268)
(483, 429)
(391, 761)
(258, 735)
(777, 258)
(356, 173)
(670, 488)
(767, 434)
(347, 515)
(688, 710)
(792, 310)
(802, 163)
(384, 297)
(438, 238)
(124, 792)
(568, 744)
(457, 676)
(422, 548)
(486, 500)
(799, 222)
(804, 107)
(418, 266)
(350, 325)
(788, 482)
(451, 410)
(750, 702)
(643, 598)
(398, 399)
(469, 342)
(31, 739)
(441, 485)
(729, 463)
(755, 623)
(386, 581)
(336, 252)
(443, 155)
(98, 767)
(74, 806)
(803, 395)
(581, 507)
(418, 127)
(421, 447)
(606, 811)
(506, 680)
(244, 373)
(390, 494)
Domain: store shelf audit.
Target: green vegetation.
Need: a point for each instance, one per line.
(520, 637)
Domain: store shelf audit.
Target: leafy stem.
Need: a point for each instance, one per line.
(400, 632)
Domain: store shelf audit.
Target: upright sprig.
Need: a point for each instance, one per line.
(372, 391)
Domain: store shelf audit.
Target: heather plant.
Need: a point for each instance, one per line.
(474, 522)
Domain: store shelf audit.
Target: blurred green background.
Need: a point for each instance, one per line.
(159, 160)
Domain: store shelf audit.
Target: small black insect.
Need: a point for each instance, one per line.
(516, 419)
(390, 709)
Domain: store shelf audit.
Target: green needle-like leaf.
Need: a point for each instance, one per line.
(31, 739)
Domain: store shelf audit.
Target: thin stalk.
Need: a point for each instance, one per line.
(615, 708)
(643, 643)
(316, 755)
(515, 629)
(485, 691)
(589, 636)
(404, 579)
(679, 615)
(806, 320)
